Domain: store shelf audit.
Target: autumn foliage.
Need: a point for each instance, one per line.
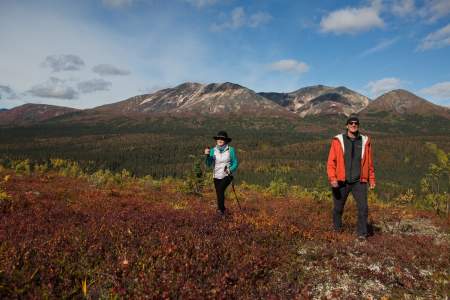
(67, 237)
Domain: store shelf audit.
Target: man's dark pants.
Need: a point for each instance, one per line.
(359, 192)
(221, 185)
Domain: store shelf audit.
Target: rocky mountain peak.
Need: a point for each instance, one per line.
(187, 85)
(320, 99)
(404, 102)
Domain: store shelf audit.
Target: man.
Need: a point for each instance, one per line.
(350, 169)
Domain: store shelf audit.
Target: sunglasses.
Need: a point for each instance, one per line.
(353, 123)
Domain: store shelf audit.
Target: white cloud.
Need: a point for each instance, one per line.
(109, 70)
(429, 10)
(94, 85)
(440, 91)
(63, 62)
(160, 55)
(403, 8)
(289, 65)
(5, 89)
(379, 47)
(378, 87)
(353, 20)
(437, 39)
(434, 10)
(202, 3)
(6, 92)
(61, 32)
(54, 88)
(239, 18)
(259, 18)
(117, 3)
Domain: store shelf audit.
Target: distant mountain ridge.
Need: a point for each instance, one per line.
(31, 113)
(402, 102)
(218, 98)
(214, 98)
(192, 98)
(320, 100)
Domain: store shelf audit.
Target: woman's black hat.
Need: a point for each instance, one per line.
(222, 135)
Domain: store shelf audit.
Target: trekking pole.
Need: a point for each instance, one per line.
(232, 186)
(234, 191)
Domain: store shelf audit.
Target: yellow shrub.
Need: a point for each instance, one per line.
(4, 195)
(6, 178)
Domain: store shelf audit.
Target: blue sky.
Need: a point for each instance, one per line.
(92, 52)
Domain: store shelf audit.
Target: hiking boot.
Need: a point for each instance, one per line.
(338, 230)
(362, 238)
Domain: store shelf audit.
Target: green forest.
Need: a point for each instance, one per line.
(292, 151)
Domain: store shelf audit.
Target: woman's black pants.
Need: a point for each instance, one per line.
(221, 185)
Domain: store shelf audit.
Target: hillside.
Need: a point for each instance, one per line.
(32, 113)
(214, 98)
(402, 102)
(63, 237)
(320, 100)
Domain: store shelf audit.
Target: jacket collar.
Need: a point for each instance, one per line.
(221, 150)
(365, 139)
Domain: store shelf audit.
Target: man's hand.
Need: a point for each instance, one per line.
(334, 184)
(372, 186)
(206, 151)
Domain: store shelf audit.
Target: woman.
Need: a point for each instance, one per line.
(223, 158)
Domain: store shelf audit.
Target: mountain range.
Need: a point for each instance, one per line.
(230, 98)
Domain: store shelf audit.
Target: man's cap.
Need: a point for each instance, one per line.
(352, 118)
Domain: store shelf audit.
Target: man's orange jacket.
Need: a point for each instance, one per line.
(336, 161)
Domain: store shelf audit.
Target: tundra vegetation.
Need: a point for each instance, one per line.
(68, 230)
